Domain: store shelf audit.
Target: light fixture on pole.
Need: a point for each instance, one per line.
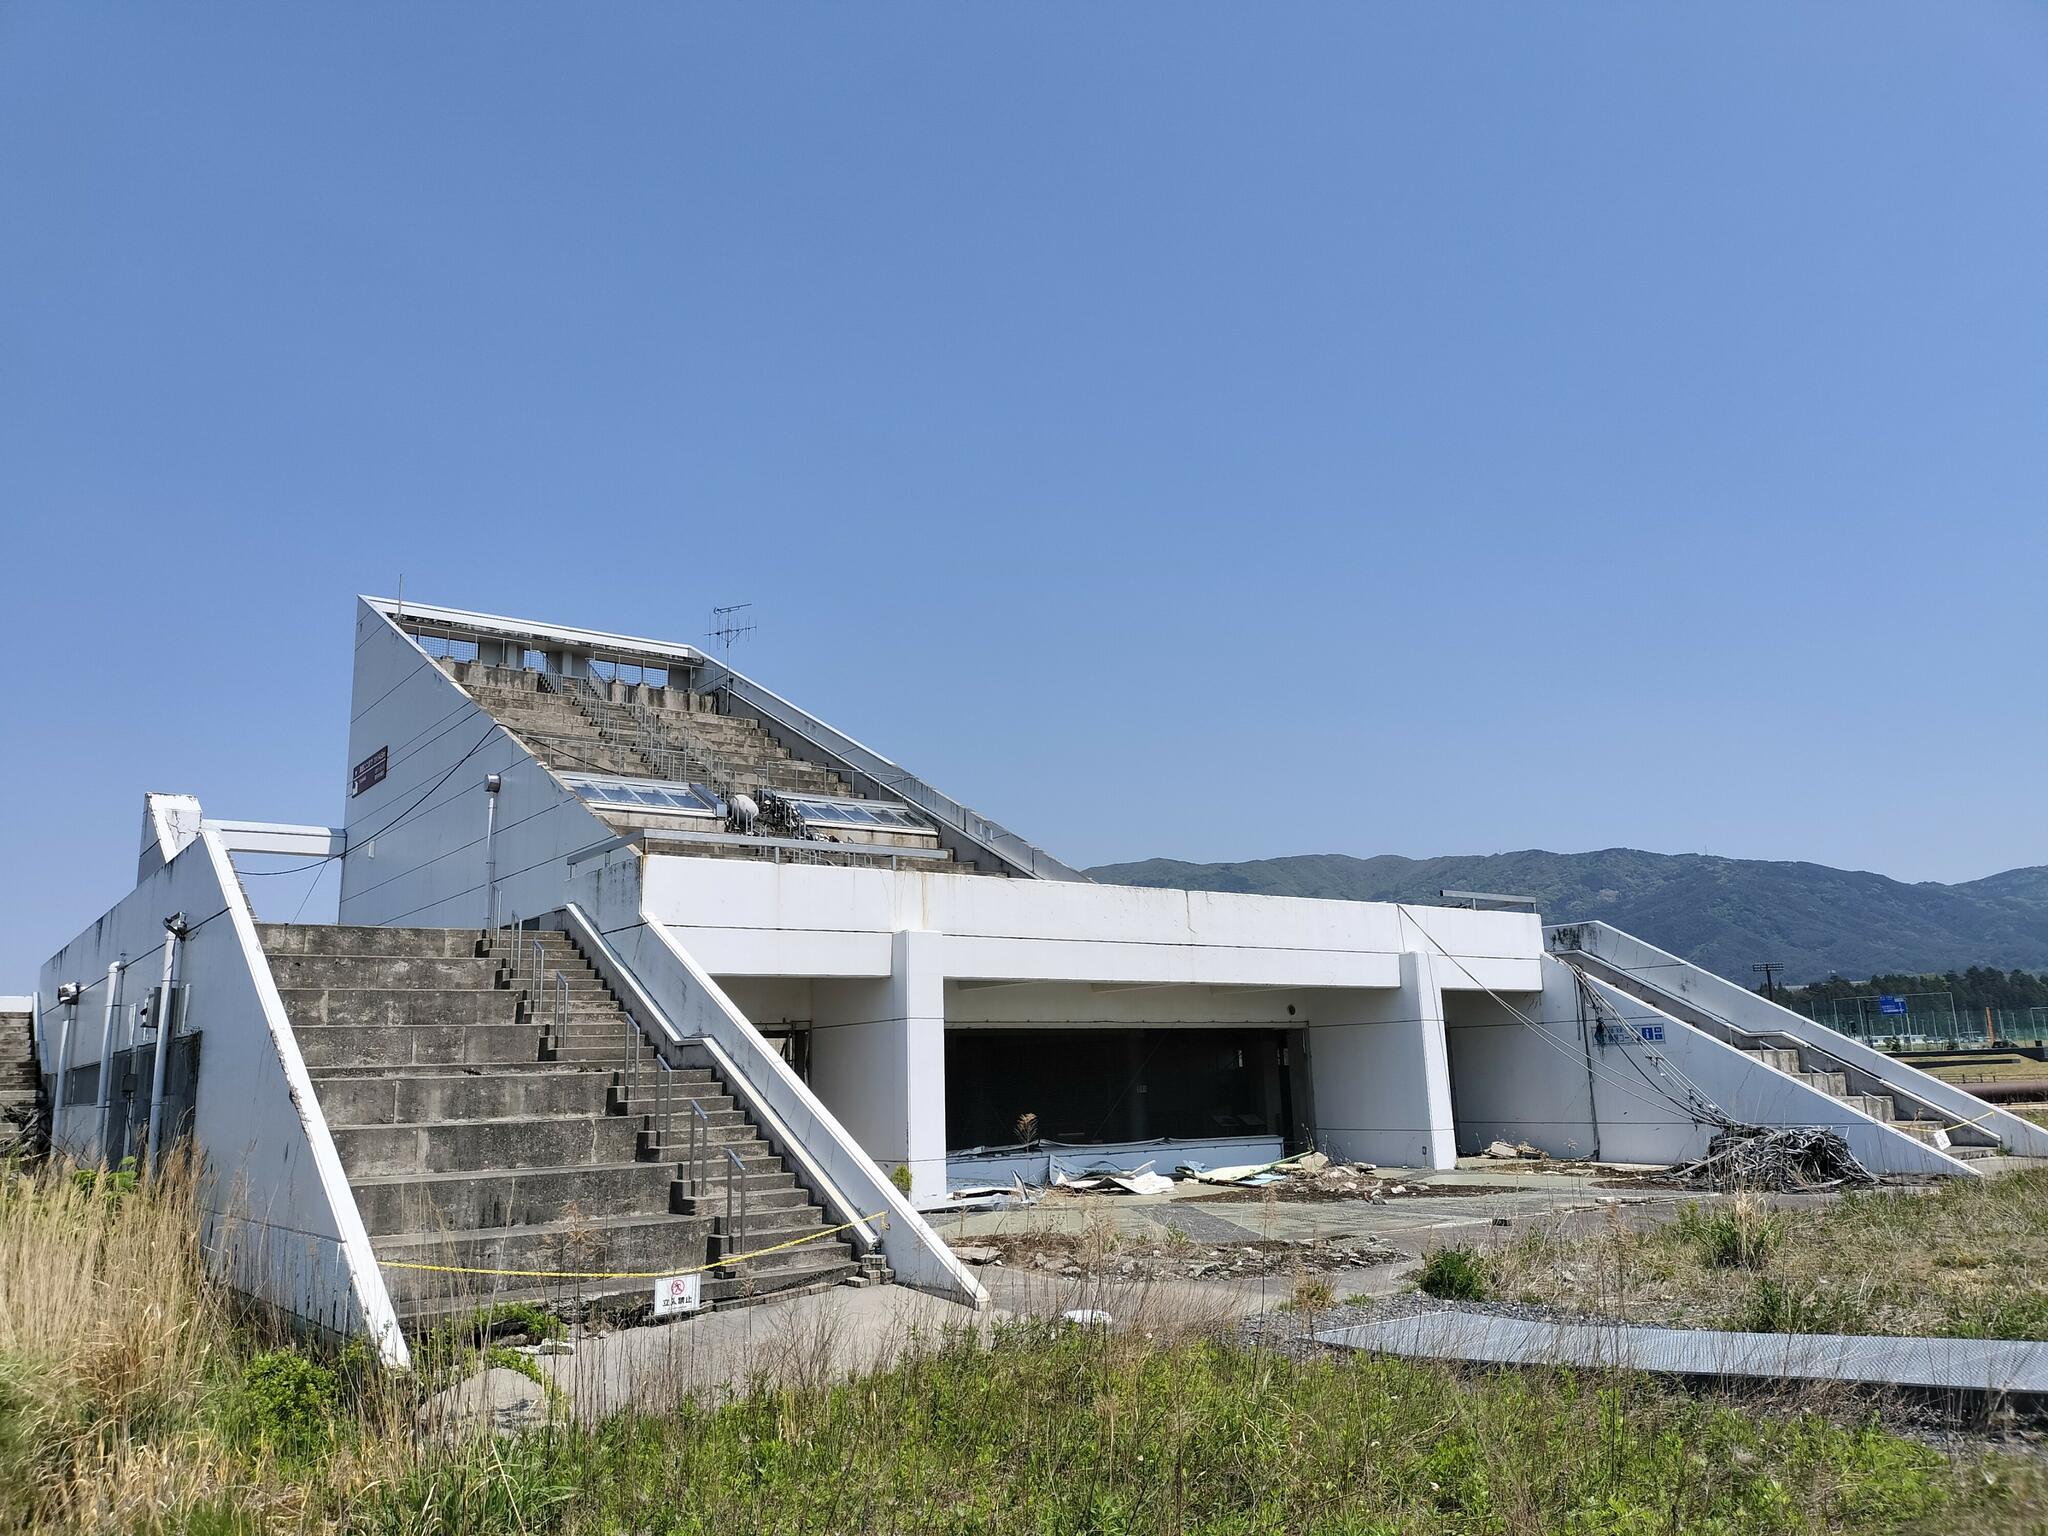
(492, 784)
(175, 929)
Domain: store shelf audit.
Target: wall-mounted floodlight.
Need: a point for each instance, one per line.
(67, 992)
(175, 925)
(493, 783)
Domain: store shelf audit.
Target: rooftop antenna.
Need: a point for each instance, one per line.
(727, 625)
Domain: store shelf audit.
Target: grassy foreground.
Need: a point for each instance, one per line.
(133, 1399)
(1963, 1260)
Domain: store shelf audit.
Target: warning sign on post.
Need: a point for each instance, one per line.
(677, 1294)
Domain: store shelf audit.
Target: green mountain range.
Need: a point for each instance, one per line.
(1724, 914)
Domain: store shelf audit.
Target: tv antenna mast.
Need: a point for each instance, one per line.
(728, 624)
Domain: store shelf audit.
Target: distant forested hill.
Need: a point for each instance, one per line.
(1719, 913)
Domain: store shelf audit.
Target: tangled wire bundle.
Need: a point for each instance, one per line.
(1790, 1158)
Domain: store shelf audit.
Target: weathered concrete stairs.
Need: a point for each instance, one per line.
(1826, 1075)
(477, 1134)
(21, 1086)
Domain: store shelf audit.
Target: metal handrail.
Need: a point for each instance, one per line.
(664, 1103)
(734, 1169)
(539, 955)
(700, 1143)
(641, 728)
(561, 1007)
(842, 754)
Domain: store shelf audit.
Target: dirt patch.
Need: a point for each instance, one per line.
(1309, 1191)
(1175, 1255)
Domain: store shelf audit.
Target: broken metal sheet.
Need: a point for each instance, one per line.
(1140, 1180)
(1140, 1183)
(988, 1197)
(1245, 1173)
(1999, 1366)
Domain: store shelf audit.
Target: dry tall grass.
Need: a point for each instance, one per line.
(1962, 1259)
(107, 1321)
(130, 1390)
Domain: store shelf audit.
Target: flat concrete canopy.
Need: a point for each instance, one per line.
(1963, 1365)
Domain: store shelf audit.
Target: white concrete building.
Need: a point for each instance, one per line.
(890, 981)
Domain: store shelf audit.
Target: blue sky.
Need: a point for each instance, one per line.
(1191, 429)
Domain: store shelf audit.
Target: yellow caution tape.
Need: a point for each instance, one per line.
(1978, 1121)
(637, 1274)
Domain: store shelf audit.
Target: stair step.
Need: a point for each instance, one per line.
(1781, 1060)
(342, 1045)
(718, 1293)
(631, 1244)
(484, 1093)
(491, 1146)
(391, 1006)
(358, 972)
(332, 939)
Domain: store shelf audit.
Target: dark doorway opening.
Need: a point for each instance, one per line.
(1116, 1085)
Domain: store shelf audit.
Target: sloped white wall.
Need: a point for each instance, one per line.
(282, 1223)
(415, 853)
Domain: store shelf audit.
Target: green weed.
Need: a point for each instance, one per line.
(1454, 1274)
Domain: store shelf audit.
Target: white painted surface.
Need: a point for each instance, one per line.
(416, 841)
(282, 1223)
(279, 837)
(1377, 1064)
(1646, 1114)
(747, 918)
(608, 887)
(878, 1051)
(1511, 1082)
(169, 824)
(1721, 998)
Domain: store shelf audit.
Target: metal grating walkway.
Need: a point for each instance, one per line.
(1967, 1365)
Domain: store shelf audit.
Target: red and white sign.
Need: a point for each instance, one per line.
(676, 1294)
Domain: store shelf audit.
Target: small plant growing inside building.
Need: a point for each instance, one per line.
(1453, 1274)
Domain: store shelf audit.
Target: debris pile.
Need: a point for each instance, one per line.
(1175, 1256)
(1786, 1159)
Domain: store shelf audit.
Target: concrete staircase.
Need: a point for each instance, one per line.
(569, 738)
(1814, 1068)
(1881, 1087)
(22, 1127)
(482, 1128)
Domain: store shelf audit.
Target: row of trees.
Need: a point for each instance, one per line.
(1981, 986)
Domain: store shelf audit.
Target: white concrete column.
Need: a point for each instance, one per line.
(878, 1060)
(1381, 1072)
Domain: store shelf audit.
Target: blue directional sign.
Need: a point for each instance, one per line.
(1889, 1004)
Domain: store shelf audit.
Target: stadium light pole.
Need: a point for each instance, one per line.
(1770, 969)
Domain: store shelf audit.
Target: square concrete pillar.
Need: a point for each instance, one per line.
(1381, 1072)
(878, 1060)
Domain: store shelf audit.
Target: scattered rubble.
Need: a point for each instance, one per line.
(1174, 1256)
(1513, 1152)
